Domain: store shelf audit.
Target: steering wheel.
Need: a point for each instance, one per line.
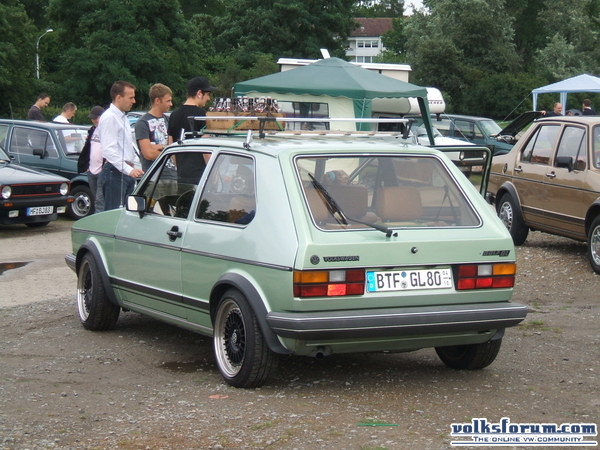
(183, 203)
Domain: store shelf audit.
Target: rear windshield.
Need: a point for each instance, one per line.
(351, 192)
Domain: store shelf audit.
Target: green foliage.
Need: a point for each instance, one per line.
(297, 29)
(380, 8)
(502, 96)
(17, 59)
(485, 55)
(110, 40)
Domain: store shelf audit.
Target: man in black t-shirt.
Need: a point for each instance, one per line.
(190, 166)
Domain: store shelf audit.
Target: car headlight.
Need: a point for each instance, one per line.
(461, 156)
(6, 192)
(64, 189)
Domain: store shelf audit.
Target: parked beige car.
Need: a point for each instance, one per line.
(550, 181)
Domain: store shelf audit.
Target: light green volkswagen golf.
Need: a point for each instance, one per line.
(304, 245)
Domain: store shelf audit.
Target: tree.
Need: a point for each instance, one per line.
(284, 28)
(458, 43)
(17, 59)
(141, 41)
(379, 8)
(572, 39)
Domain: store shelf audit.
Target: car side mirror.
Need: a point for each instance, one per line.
(137, 203)
(566, 162)
(40, 152)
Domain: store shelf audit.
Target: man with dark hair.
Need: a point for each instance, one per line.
(118, 174)
(68, 111)
(35, 112)
(587, 109)
(190, 166)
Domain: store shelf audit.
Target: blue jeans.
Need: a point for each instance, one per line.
(96, 188)
(116, 186)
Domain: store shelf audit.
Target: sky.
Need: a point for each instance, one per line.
(409, 3)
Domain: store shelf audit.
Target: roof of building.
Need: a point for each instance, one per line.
(372, 26)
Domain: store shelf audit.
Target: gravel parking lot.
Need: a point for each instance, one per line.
(147, 385)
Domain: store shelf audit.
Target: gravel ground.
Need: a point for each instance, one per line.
(147, 385)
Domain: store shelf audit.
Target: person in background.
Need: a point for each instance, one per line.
(35, 112)
(151, 130)
(68, 111)
(90, 160)
(587, 109)
(191, 166)
(152, 136)
(118, 174)
(558, 107)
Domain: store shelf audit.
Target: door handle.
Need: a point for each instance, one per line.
(174, 233)
(551, 175)
(518, 169)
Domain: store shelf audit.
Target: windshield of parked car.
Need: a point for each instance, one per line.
(489, 127)
(72, 140)
(387, 191)
(421, 131)
(3, 156)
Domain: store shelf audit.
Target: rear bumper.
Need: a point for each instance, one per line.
(396, 322)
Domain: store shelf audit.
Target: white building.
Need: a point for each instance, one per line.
(364, 43)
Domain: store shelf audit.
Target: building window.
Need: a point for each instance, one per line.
(367, 44)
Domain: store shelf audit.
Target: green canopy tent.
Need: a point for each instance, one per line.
(336, 82)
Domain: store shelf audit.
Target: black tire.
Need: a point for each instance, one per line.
(471, 356)
(96, 311)
(37, 224)
(83, 205)
(510, 215)
(242, 354)
(593, 245)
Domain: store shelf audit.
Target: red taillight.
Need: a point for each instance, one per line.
(329, 283)
(486, 276)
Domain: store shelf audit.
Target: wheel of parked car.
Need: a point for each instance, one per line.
(512, 219)
(37, 224)
(594, 245)
(83, 205)
(243, 357)
(471, 356)
(96, 311)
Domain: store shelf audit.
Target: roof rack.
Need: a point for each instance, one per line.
(263, 121)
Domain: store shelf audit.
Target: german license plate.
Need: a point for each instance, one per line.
(40, 210)
(409, 280)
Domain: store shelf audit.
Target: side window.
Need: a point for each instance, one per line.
(540, 145)
(596, 144)
(443, 126)
(229, 194)
(464, 129)
(25, 141)
(165, 195)
(3, 134)
(573, 144)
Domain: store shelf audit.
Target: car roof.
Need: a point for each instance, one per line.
(461, 116)
(289, 142)
(575, 119)
(47, 125)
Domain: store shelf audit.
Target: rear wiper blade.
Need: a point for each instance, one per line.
(331, 204)
(334, 210)
(388, 232)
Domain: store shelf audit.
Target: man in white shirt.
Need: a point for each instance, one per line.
(118, 174)
(68, 111)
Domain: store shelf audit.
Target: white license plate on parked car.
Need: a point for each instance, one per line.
(40, 210)
(406, 280)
